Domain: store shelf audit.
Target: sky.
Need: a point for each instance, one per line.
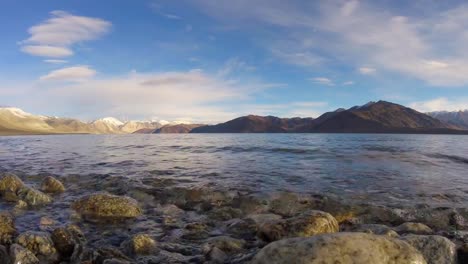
(214, 60)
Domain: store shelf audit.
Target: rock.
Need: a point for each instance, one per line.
(414, 228)
(224, 213)
(242, 228)
(115, 261)
(226, 244)
(140, 244)
(68, 240)
(52, 185)
(339, 248)
(288, 204)
(21, 205)
(108, 253)
(7, 228)
(33, 197)
(39, 243)
(19, 254)
(463, 253)
(375, 229)
(10, 182)
(305, 225)
(260, 219)
(4, 257)
(216, 255)
(107, 207)
(435, 249)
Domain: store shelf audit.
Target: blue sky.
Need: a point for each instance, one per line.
(209, 61)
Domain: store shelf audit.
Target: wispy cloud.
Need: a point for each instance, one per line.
(54, 61)
(73, 74)
(367, 70)
(441, 104)
(323, 81)
(56, 36)
(348, 83)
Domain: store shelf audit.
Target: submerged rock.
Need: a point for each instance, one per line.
(19, 254)
(39, 243)
(10, 182)
(33, 197)
(435, 249)
(414, 228)
(7, 228)
(226, 244)
(375, 229)
(4, 257)
(140, 244)
(339, 248)
(52, 185)
(68, 240)
(305, 225)
(107, 206)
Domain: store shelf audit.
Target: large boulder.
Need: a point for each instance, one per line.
(339, 248)
(435, 249)
(51, 185)
(10, 183)
(39, 243)
(7, 228)
(140, 244)
(107, 206)
(19, 254)
(33, 197)
(305, 225)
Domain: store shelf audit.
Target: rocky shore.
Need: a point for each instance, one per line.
(108, 219)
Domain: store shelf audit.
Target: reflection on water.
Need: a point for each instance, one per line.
(381, 168)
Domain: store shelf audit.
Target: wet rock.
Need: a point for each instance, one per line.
(39, 243)
(463, 253)
(215, 255)
(250, 204)
(140, 244)
(4, 257)
(108, 253)
(260, 219)
(68, 240)
(7, 228)
(19, 254)
(435, 249)
(115, 261)
(10, 182)
(414, 228)
(224, 213)
(226, 244)
(242, 228)
(181, 249)
(305, 225)
(52, 185)
(375, 229)
(288, 204)
(33, 197)
(107, 207)
(339, 248)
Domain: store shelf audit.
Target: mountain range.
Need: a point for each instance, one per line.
(373, 117)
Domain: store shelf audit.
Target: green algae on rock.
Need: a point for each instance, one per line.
(140, 245)
(305, 225)
(107, 206)
(7, 228)
(339, 248)
(33, 197)
(10, 182)
(52, 185)
(39, 243)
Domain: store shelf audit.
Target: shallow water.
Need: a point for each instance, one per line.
(387, 169)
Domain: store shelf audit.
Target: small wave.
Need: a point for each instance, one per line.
(452, 158)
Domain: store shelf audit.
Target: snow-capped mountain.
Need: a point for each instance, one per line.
(456, 118)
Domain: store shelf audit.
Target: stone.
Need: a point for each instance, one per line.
(107, 207)
(108, 253)
(19, 254)
(242, 228)
(33, 197)
(52, 185)
(226, 244)
(288, 204)
(463, 253)
(67, 240)
(414, 228)
(39, 243)
(216, 255)
(305, 225)
(10, 182)
(7, 228)
(435, 249)
(4, 257)
(260, 219)
(339, 248)
(375, 229)
(140, 245)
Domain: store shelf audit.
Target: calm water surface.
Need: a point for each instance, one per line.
(388, 169)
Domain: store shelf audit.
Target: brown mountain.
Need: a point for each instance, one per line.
(256, 124)
(458, 118)
(377, 117)
(176, 129)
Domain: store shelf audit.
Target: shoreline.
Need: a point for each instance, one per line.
(205, 224)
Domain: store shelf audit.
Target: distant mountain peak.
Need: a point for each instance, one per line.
(110, 120)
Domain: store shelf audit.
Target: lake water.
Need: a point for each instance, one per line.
(388, 169)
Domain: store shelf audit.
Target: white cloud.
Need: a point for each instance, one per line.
(56, 61)
(348, 83)
(323, 81)
(366, 70)
(47, 51)
(440, 104)
(76, 73)
(55, 36)
(431, 48)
